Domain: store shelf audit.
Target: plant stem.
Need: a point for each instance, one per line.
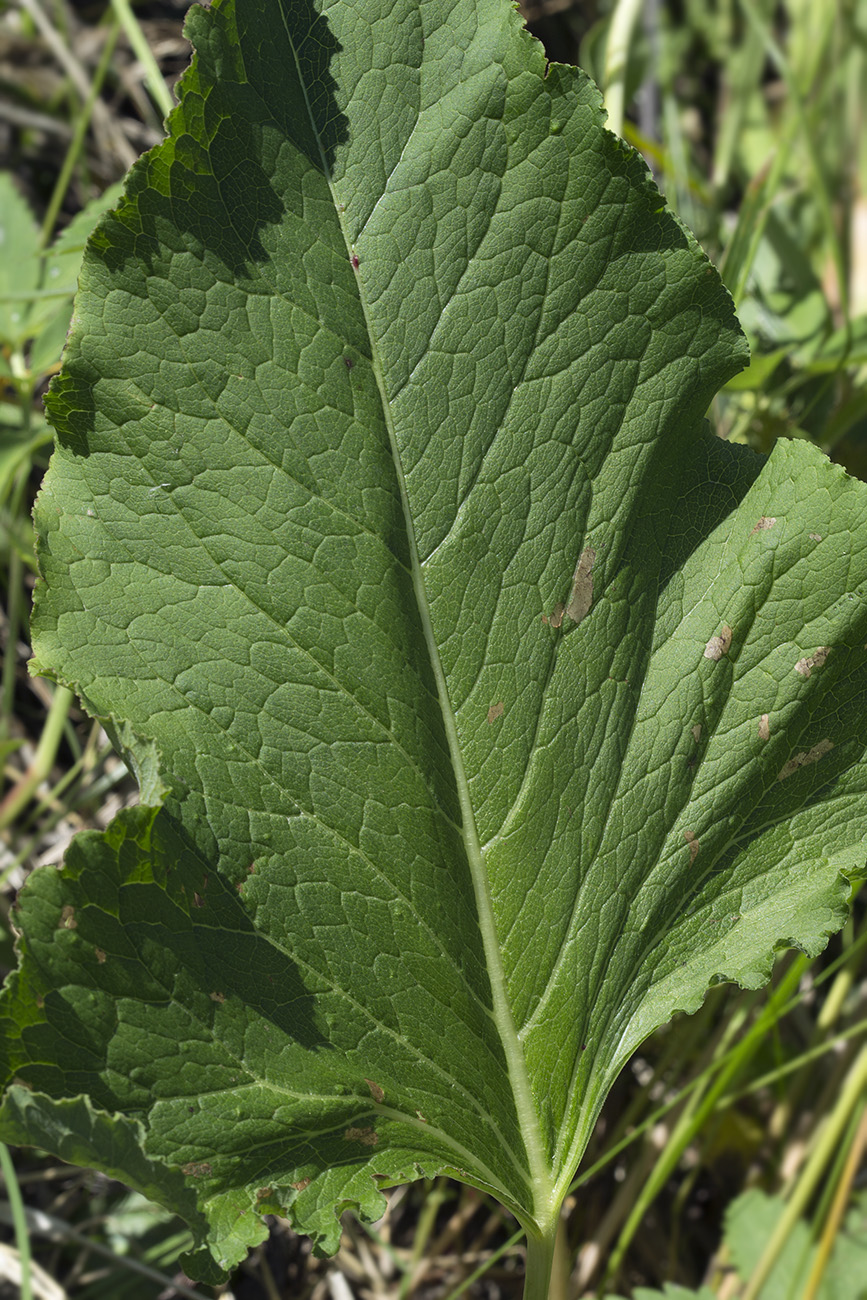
(154, 79)
(46, 752)
(540, 1261)
(483, 1268)
(19, 1219)
(76, 144)
(853, 1090)
(561, 1267)
(41, 1224)
(701, 1106)
(838, 1209)
(110, 128)
(623, 22)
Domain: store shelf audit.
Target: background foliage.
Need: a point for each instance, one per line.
(751, 115)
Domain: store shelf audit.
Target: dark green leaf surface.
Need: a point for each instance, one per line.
(500, 708)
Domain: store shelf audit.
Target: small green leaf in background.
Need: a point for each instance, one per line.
(19, 266)
(750, 1223)
(488, 708)
(37, 285)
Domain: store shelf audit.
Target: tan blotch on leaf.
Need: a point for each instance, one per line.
(693, 843)
(366, 1136)
(581, 597)
(806, 666)
(803, 759)
(720, 645)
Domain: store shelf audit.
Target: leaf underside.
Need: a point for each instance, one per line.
(486, 708)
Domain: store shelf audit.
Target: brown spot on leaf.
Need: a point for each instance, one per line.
(494, 712)
(375, 1091)
(198, 901)
(301, 1185)
(217, 997)
(348, 362)
(100, 955)
(696, 732)
(581, 597)
(421, 1117)
(803, 759)
(806, 666)
(366, 1136)
(196, 1169)
(263, 1192)
(557, 617)
(720, 645)
(815, 537)
(694, 845)
(765, 727)
(67, 919)
(766, 521)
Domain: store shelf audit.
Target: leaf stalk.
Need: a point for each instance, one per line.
(540, 1263)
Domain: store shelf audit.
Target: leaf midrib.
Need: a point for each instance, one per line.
(542, 1182)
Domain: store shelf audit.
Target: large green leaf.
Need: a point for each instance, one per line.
(500, 708)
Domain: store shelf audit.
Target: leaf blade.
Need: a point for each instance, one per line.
(384, 534)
